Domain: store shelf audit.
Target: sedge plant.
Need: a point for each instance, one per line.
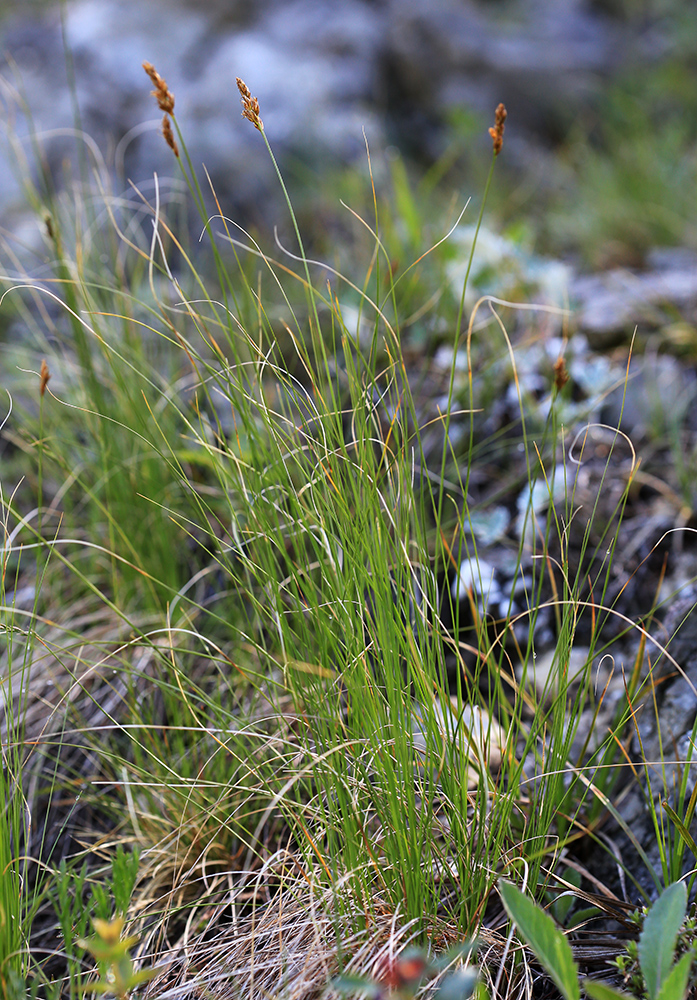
(236, 469)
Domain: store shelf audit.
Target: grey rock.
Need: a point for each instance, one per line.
(658, 394)
(614, 303)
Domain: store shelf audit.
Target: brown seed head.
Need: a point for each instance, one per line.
(561, 375)
(169, 136)
(162, 93)
(250, 105)
(496, 132)
(44, 376)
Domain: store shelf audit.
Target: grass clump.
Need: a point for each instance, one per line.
(262, 657)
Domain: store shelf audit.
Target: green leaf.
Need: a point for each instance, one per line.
(601, 991)
(546, 940)
(458, 985)
(580, 916)
(657, 939)
(675, 984)
(351, 985)
(681, 827)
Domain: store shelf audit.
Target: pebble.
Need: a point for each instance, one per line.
(480, 738)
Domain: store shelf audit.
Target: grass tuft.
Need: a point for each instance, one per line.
(266, 676)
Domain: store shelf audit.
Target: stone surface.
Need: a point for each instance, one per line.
(476, 735)
(658, 395)
(540, 57)
(666, 728)
(543, 671)
(614, 303)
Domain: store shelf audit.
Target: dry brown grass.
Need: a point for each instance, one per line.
(286, 944)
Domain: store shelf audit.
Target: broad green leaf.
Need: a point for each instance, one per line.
(657, 939)
(601, 991)
(546, 940)
(675, 984)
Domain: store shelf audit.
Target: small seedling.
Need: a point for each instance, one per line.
(116, 973)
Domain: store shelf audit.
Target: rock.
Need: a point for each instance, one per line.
(506, 270)
(478, 577)
(664, 716)
(535, 498)
(658, 395)
(542, 672)
(666, 726)
(611, 305)
(478, 736)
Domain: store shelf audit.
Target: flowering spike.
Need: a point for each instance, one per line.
(250, 105)
(561, 375)
(169, 136)
(162, 93)
(44, 376)
(496, 132)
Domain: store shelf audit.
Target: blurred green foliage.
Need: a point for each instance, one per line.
(628, 176)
